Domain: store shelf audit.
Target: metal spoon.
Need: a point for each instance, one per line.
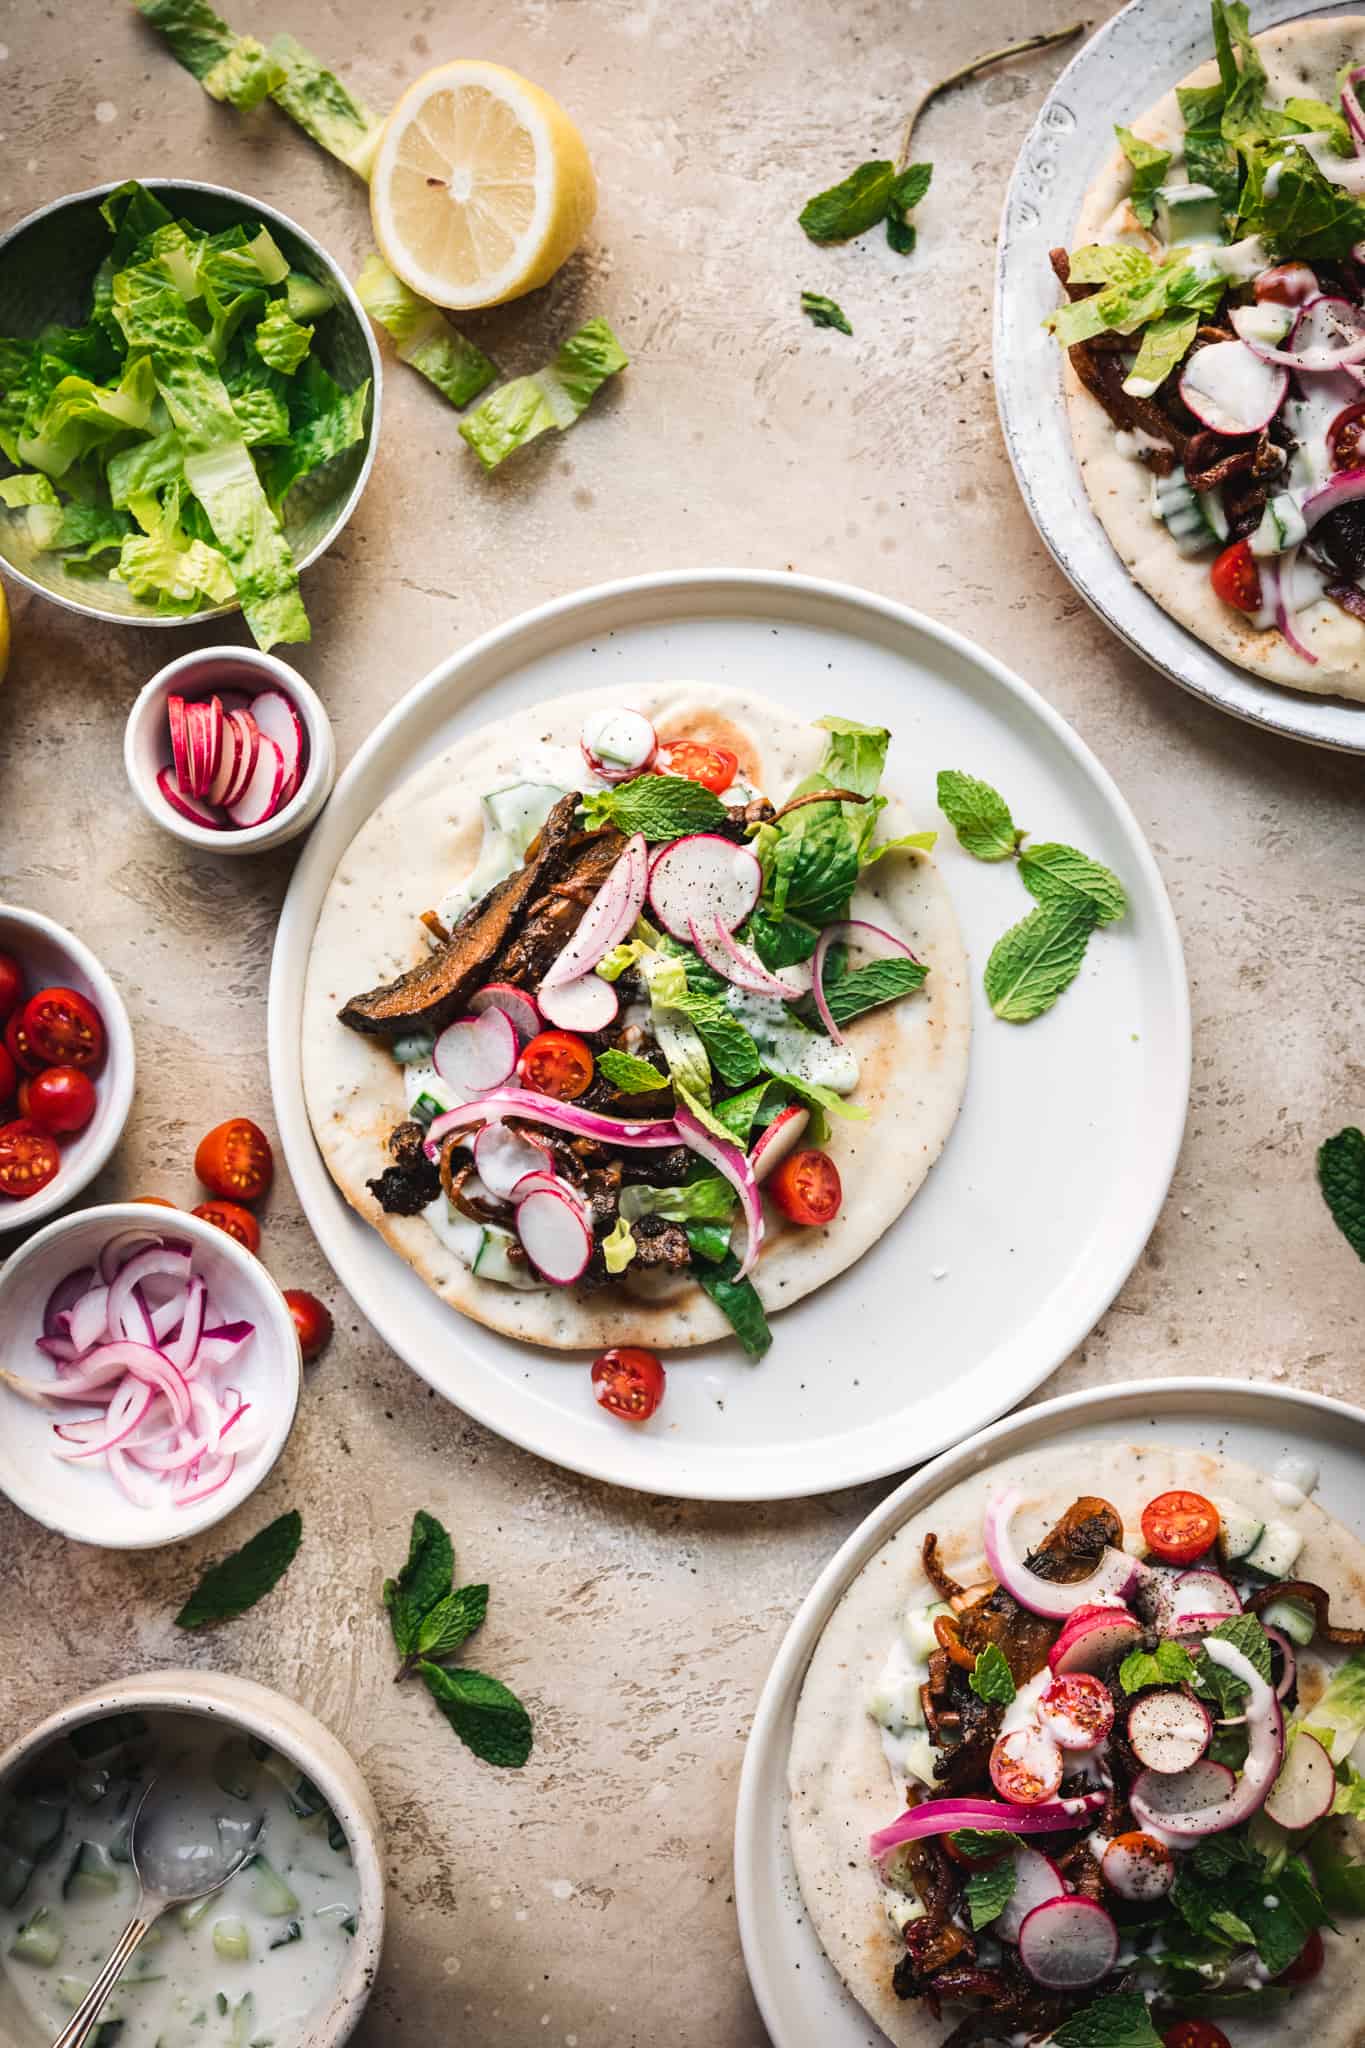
(182, 1849)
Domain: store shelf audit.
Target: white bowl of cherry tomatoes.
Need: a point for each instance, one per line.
(66, 1067)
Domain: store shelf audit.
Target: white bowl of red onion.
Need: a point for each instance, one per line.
(149, 1376)
(230, 750)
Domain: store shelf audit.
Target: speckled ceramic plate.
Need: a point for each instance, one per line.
(1060, 1159)
(799, 1993)
(1136, 58)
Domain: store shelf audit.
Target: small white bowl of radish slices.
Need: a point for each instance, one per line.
(230, 750)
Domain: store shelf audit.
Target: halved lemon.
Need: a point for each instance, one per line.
(481, 187)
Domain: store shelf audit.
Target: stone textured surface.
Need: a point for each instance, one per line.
(587, 1900)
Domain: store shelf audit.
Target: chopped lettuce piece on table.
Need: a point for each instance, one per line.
(556, 396)
(424, 336)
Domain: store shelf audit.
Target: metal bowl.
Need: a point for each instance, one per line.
(47, 263)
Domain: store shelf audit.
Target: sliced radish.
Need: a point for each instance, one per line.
(617, 744)
(477, 1052)
(500, 995)
(261, 797)
(1138, 1867)
(588, 1004)
(1077, 1710)
(189, 807)
(1026, 1766)
(608, 919)
(782, 1136)
(724, 955)
(1232, 389)
(1093, 1638)
(249, 734)
(1036, 1880)
(1204, 1593)
(276, 717)
(180, 741)
(1328, 335)
(229, 764)
(544, 1181)
(703, 878)
(1289, 1663)
(1191, 1803)
(204, 725)
(504, 1157)
(556, 1239)
(1306, 1787)
(1067, 1944)
(1168, 1731)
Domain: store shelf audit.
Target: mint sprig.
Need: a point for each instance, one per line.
(230, 1587)
(430, 1618)
(978, 814)
(824, 312)
(631, 1076)
(1037, 959)
(988, 1892)
(991, 1680)
(1119, 2021)
(1169, 1664)
(659, 806)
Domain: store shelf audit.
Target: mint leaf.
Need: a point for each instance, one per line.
(978, 1842)
(738, 1300)
(659, 806)
(901, 234)
(909, 842)
(1246, 1634)
(1119, 2021)
(1052, 873)
(1169, 1664)
(824, 312)
(988, 1892)
(852, 206)
(780, 941)
(879, 981)
(446, 1625)
(991, 1680)
(978, 814)
(424, 1579)
(1283, 1917)
(1341, 1176)
(488, 1718)
(731, 1051)
(1038, 958)
(632, 1076)
(236, 1583)
(904, 196)
(1150, 165)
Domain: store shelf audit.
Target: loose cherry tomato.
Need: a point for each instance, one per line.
(1306, 1963)
(806, 1187)
(715, 768)
(557, 1063)
(312, 1321)
(235, 1160)
(18, 1047)
(9, 1077)
(60, 1099)
(11, 985)
(628, 1382)
(154, 1201)
(29, 1159)
(1195, 2034)
(1179, 1527)
(236, 1221)
(1236, 578)
(64, 1028)
(1286, 284)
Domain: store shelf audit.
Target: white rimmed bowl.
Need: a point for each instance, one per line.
(53, 957)
(250, 1709)
(83, 1502)
(147, 744)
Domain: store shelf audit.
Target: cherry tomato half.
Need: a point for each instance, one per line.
(235, 1160)
(236, 1221)
(557, 1063)
(715, 768)
(1236, 578)
(312, 1321)
(11, 985)
(9, 1078)
(1306, 1963)
(18, 1047)
(628, 1382)
(64, 1028)
(1179, 1527)
(1195, 2034)
(29, 1159)
(806, 1187)
(60, 1099)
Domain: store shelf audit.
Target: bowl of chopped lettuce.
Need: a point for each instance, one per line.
(189, 405)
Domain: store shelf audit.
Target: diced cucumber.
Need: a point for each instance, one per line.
(234, 1768)
(90, 1872)
(918, 1629)
(243, 2020)
(15, 1872)
(1282, 526)
(102, 1738)
(425, 1108)
(1215, 518)
(293, 1932)
(91, 1784)
(1181, 511)
(520, 810)
(491, 1260)
(305, 297)
(336, 1835)
(303, 1795)
(1238, 1531)
(1188, 213)
(231, 1941)
(71, 1990)
(1293, 1617)
(189, 1916)
(35, 1827)
(896, 1707)
(39, 1940)
(902, 1908)
(273, 1895)
(413, 1049)
(1276, 1550)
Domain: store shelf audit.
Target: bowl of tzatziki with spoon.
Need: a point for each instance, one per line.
(229, 1818)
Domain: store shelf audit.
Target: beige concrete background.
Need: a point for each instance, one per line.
(586, 1901)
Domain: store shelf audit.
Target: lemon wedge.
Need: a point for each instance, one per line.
(481, 187)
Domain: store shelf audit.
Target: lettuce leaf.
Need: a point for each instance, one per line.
(1164, 346)
(324, 421)
(1139, 292)
(618, 1246)
(424, 336)
(80, 416)
(229, 67)
(279, 340)
(1298, 211)
(1150, 166)
(707, 1199)
(554, 397)
(323, 107)
(738, 1300)
(166, 568)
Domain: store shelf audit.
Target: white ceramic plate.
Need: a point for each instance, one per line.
(1065, 1147)
(1119, 73)
(800, 1994)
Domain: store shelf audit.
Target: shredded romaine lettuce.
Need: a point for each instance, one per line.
(424, 337)
(556, 396)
